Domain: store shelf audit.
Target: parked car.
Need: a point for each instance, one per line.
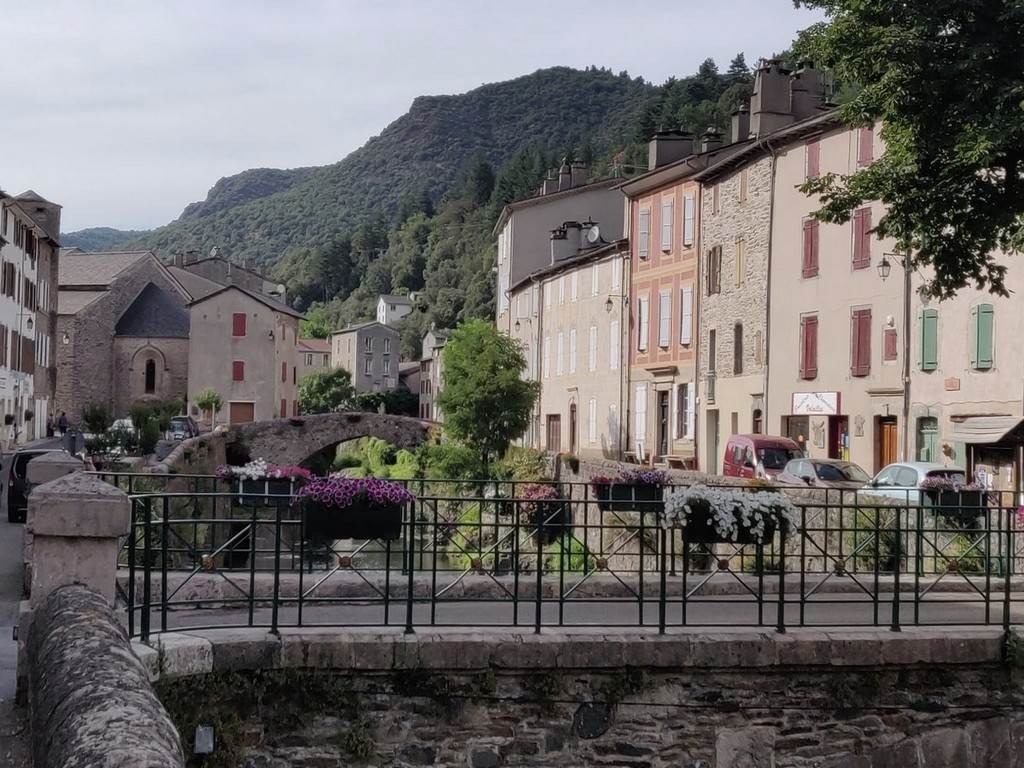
(760, 456)
(902, 480)
(183, 427)
(17, 503)
(824, 473)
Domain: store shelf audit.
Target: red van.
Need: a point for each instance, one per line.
(761, 456)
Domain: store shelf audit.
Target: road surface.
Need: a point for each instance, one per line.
(14, 748)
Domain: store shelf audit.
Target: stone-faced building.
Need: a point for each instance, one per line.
(431, 371)
(223, 271)
(121, 332)
(243, 344)
(370, 353)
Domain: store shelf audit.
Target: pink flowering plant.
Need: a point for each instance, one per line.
(948, 483)
(599, 481)
(341, 492)
(259, 469)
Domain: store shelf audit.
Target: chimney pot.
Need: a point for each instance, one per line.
(740, 129)
(710, 139)
(771, 105)
(667, 147)
(561, 245)
(564, 175)
(579, 173)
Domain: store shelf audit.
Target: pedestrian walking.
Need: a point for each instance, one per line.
(62, 423)
(50, 428)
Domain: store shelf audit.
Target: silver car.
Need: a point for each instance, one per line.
(902, 480)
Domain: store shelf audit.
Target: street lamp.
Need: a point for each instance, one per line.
(884, 268)
(609, 305)
(518, 326)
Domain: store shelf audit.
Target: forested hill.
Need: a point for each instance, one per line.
(264, 212)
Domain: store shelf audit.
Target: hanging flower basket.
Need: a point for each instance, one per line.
(726, 516)
(633, 490)
(258, 484)
(353, 508)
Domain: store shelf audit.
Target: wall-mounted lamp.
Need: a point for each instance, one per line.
(609, 305)
(270, 334)
(29, 324)
(65, 339)
(518, 325)
(884, 267)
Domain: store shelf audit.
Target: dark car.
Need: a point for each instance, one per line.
(17, 503)
(184, 427)
(824, 473)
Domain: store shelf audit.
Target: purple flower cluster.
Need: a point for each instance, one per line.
(344, 492)
(537, 491)
(947, 483)
(643, 477)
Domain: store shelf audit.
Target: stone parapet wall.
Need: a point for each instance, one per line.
(90, 699)
(715, 700)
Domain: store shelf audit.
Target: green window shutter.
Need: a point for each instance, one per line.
(928, 358)
(981, 336)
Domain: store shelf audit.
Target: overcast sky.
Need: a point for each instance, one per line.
(124, 111)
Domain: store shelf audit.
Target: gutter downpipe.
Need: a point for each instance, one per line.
(624, 382)
(537, 357)
(768, 285)
(906, 355)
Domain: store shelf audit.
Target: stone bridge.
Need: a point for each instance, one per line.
(292, 441)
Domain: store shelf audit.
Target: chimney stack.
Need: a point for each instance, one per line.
(740, 128)
(550, 184)
(562, 246)
(579, 173)
(564, 175)
(667, 147)
(179, 259)
(807, 88)
(710, 139)
(771, 103)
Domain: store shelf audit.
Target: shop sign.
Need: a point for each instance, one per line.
(815, 404)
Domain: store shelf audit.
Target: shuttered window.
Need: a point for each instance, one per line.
(284, 371)
(640, 417)
(684, 411)
(809, 347)
(889, 344)
(572, 350)
(642, 326)
(686, 315)
(865, 146)
(592, 349)
(644, 239)
(667, 213)
(860, 342)
(592, 421)
(928, 358)
(714, 271)
(560, 354)
(664, 318)
(688, 220)
(813, 168)
(284, 408)
(238, 324)
(594, 278)
(862, 238)
(809, 262)
(981, 337)
(737, 349)
(613, 345)
(238, 371)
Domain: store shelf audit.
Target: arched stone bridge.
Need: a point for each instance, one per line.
(292, 441)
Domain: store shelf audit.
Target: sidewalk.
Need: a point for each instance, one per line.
(14, 737)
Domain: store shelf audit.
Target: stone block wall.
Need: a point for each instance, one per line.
(91, 702)
(129, 359)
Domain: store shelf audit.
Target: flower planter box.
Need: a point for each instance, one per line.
(552, 518)
(629, 497)
(956, 506)
(263, 493)
(700, 530)
(359, 521)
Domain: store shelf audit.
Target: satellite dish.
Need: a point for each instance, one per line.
(594, 234)
(280, 288)
(214, 252)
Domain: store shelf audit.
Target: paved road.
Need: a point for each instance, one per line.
(14, 750)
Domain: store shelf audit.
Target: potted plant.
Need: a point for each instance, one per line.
(728, 516)
(546, 507)
(261, 484)
(342, 507)
(602, 487)
(951, 499)
(640, 489)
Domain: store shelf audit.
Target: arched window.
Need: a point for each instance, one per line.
(150, 376)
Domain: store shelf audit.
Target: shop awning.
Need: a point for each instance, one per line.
(986, 429)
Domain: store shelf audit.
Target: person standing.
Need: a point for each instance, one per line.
(50, 428)
(62, 423)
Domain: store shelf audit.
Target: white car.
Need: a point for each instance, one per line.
(902, 480)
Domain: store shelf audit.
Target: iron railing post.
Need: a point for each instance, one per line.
(163, 565)
(410, 571)
(896, 573)
(663, 581)
(146, 569)
(133, 504)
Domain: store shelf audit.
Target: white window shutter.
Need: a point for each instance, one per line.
(592, 421)
(560, 355)
(575, 286)
(616, 273)
(640, 418)
(664, 318)
(688, 220)
(667, 212)
(572, 351)
(686, 315)
(592, 349)
(613, 345)
(595, 276)
(673, 411)
(690, 411)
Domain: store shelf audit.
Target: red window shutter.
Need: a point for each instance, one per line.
(284, 371)
(860, 342)
(284, 407)
(813, 159)
(238, 324)
(810, 249)
(889, 338)
(862, 238)
(865, 149)
(295, 407)
(238, 371)
(809, 347)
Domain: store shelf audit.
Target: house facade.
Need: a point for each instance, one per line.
(391, 308)
(243, 344)
(431, 372)
(370, 353)
(571, 323)
(312, 356)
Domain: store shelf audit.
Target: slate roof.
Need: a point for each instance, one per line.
(266, 301)
(390, 298)
(199, 287)
(314, 345)
(155, 313)
(359, 326)
(73, 302)
(95, 269)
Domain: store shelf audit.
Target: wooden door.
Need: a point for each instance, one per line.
(241, 413)
(663, 423)
(573, 427)
(554, 427)
(888, 439)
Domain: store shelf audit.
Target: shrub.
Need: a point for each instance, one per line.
(140, 413)
(523, 464)
(97, 418)
(149, 436)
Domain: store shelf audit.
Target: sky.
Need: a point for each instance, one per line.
(125, 111)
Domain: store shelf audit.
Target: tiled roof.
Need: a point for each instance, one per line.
(198, 287)
(73, 302)
(359, 326)
(97, 269)
(155, 313)
(390, 298)
(266, 301)
(314, 345)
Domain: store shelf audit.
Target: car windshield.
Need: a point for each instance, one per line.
(841, 473)
(776, 457)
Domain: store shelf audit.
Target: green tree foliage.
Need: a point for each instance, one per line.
(326, 391)
(485, 400)
(398, 402)
(209, 401)
(149, 435)
(97, 418)
(946, 79)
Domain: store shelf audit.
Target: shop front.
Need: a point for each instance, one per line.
(816, 422)
(992, 448)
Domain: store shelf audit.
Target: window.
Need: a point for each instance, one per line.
(865, 145)
(714, 271)
(592, 421)
(368, 344)
(547, 295)
(238, 370)
(737, 349)
(613, 345)
(743, 186)
(664, 318)
(928, 359)
(688, 221)
(757, 422)
(547, 357)
(667, 213)
(684, 411)
(387, 366)
(150, 376)
(686, 314)
(741, 260)
(595, 275)
(862, 238)
(561, 289)
(592, 349)
(295, 408)
(368, 366)
(644, 239)
(284, 371)
(237, 324)
(812, 166)
(642, 329)
(560, 355)
(572, 350)
(860, 342)
(809, 347)
(716, 198)
(574, 283)
(309, 360)
(387, 346)
(981, 337)
(640, 416)
(809, 261)
(889, 344)
(617, 273)
(712, 350)
(928, 439)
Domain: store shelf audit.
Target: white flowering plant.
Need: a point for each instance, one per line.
(730, 515)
